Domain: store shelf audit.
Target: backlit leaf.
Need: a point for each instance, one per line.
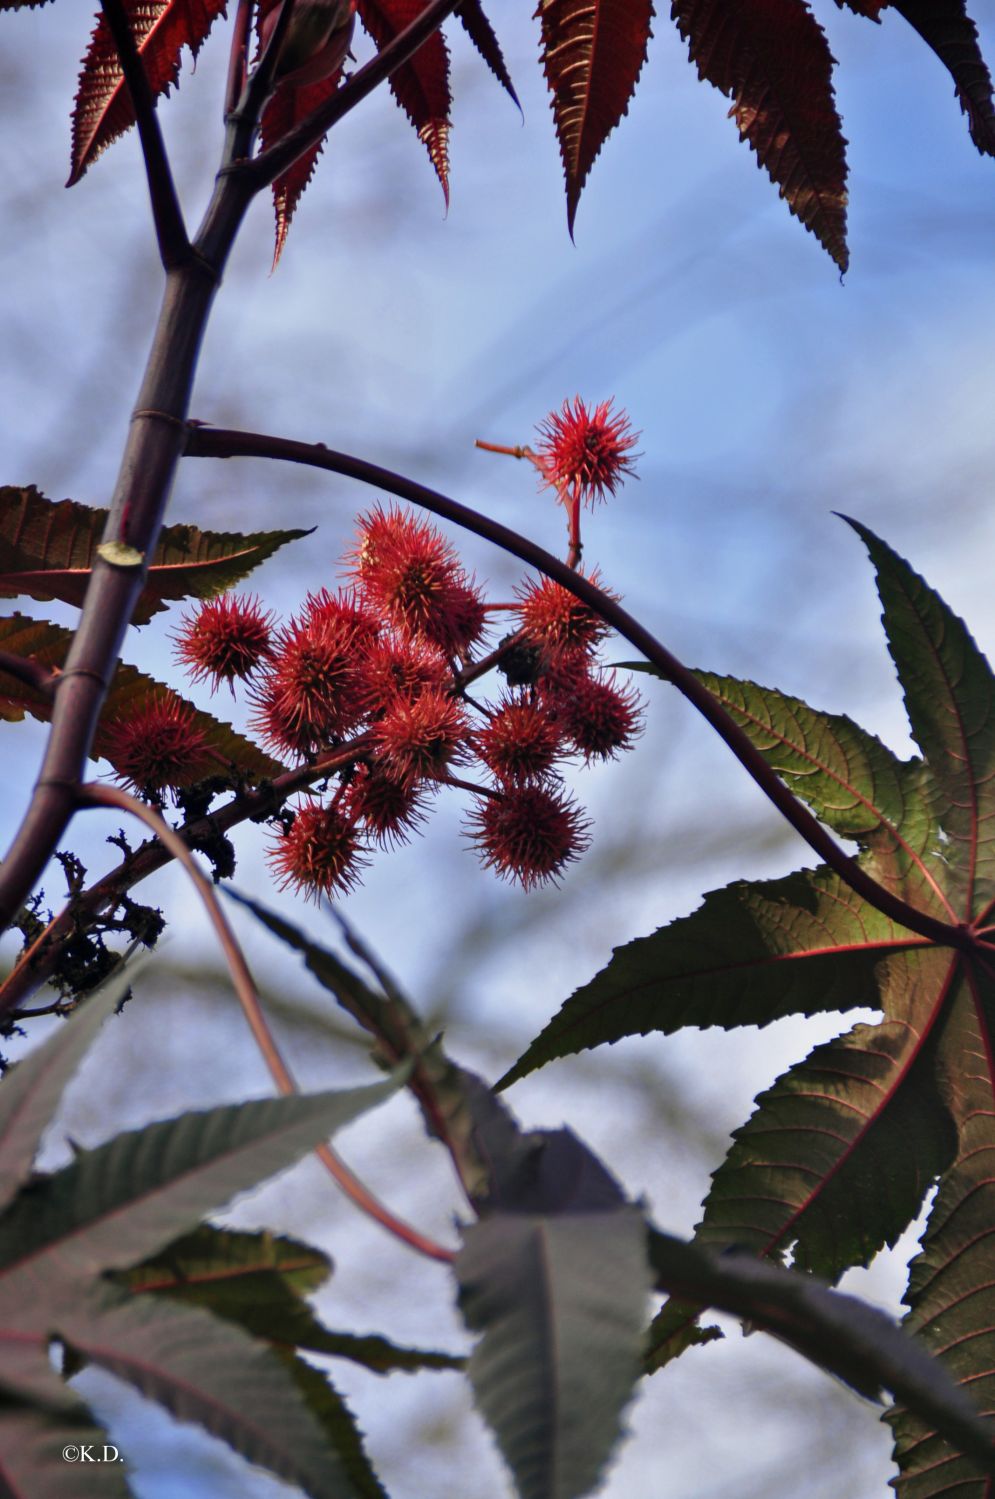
(130, 690)
(946, 27)
(592, 54)
(33, 1444)
(771, 59)
(560, 1302)
(205, 1370)
(421, 86)
(47, 549)
(844, 1146)
(481, 33)
(103, 109)
(286, 108)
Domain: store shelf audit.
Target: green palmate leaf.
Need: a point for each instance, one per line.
(258, 1281)
(130, 691)
(449, 1095)
(41, 1456)
(752, 953)
(950, 697)
(843, 1147)
(336, 1421)
(856, 1342)
(31, 1091)
(124, 1200)
(203, 1369)
(951, 1289)
(47, 549)
(839, 1155)
(560, 1302)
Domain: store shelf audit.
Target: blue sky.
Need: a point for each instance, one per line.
(768, 395)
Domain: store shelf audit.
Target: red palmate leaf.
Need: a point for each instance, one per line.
(770, 57)
(592, 54)
(47, 550)
(103, 108)
(421, 86)
(481, 34)
(288, 107)
(946, 27)
(870, 8)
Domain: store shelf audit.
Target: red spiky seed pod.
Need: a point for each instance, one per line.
(529, 833)
(224, 639)
(585, 454)
(556, 618)
(411, 575)
(389, 810)
(321, 854)
(397, 666)
(520, 742)
(601, 718)
(417, 738)
(309, 693)
(158, 746)
(323, 607)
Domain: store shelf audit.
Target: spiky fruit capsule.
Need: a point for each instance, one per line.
(389, 809)
(529, 833)
(321, 854)
(158, 746)
(519, 743)
(309, 693)
(397, 666)
(412, 576)
(599, 717)
(555, 618)
(417, 738)
(226, 638)
(585, 454)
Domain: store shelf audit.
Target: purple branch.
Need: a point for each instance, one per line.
(31, 673)
(205, 442)
(171, 233)
(271, 164)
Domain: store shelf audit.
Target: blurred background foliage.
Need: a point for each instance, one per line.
(768, 395)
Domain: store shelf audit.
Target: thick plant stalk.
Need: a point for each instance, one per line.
(155, 443)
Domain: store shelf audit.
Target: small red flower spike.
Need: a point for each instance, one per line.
(556, 618)
(520, 743)
(390, 810)
(599, 717)
(309, 692)
(156, 747)
(418, 739)
(584, 455)
(322, 853)
(529, 834)
(225, 638)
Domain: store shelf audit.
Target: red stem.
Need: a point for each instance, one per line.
(248, 997)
